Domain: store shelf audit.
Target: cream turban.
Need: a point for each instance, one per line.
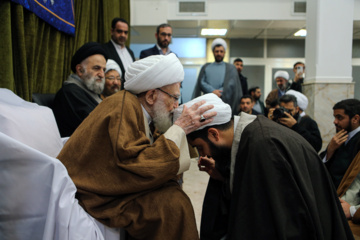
(218, 41)
(300, 98)
(223, 109)
(153, 72)
(112, 65)
(282, 74)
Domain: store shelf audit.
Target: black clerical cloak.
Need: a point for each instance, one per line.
(281, 189)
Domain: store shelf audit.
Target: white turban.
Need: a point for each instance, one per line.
(223, 109)
(218, 41)
(112, 65)
(301, 99)
(153, 72)
(282, 74)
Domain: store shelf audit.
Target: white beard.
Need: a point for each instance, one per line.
(92, 84)
(162, 119)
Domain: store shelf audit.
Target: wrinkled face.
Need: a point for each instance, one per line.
(164, 37)
(219, 53)
(165, 105)
(239, 66)
(342, 121)
(119, 34)
(92, 72)
(290, 107)
(246, 105)
(281, 83)
(112, 82)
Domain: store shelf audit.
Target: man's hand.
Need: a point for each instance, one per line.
(346, 208)
(298, 76)
(189, 119)
(208, 165)
(217, 92)
(336, 141)
(288, 121)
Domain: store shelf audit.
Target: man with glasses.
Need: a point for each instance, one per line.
(125, 157)
(112, 79)
(163, 37)
(116, 48)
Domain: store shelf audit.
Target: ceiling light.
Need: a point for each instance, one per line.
(300, 33)
(213, 32)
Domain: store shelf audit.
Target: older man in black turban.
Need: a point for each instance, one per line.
(80, 93)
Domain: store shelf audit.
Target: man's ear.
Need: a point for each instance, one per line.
(213, 135)
(356, 119)
(151, 96)
(79, 70)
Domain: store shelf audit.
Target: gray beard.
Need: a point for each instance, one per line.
(162, 118)
(92, 84)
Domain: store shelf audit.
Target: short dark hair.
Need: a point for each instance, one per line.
(238, 60)
(253, 89)
(162, 26)
(246, 96)
(299, 63)
(203, 133)
(288, 98)
(115, 20)
(351, 107)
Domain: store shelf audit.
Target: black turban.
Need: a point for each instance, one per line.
(85, 51)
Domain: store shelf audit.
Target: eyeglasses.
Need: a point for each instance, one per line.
(173, 96)
(113, 78)
(165, 34)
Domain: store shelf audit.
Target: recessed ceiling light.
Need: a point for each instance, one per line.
(213, 32)
(300, 33)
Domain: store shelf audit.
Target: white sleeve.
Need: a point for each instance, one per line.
(178, 136)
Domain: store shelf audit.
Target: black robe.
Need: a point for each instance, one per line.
(281, 190)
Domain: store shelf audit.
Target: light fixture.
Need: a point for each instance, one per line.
(213, 31)
(300, 33)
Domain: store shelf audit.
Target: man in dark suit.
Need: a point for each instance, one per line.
(344, 145)
(116, 48)
(163, 37)
(238, 63)
(255, 93)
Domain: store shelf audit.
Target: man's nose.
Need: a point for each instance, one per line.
(176, 104)
(101, 73)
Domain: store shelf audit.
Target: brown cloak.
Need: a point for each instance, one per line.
(123, 180)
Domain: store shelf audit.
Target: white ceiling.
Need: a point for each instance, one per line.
(250, 29)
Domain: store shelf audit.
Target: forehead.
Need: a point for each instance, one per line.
(245, 100)
(339, 112)
(122, 26)
(280, 79)
(172, 88)
(287, 105)
(239, 63)
(299, 64)
(219, 48)
(112, 73)
(96, 59)
(165, 29)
